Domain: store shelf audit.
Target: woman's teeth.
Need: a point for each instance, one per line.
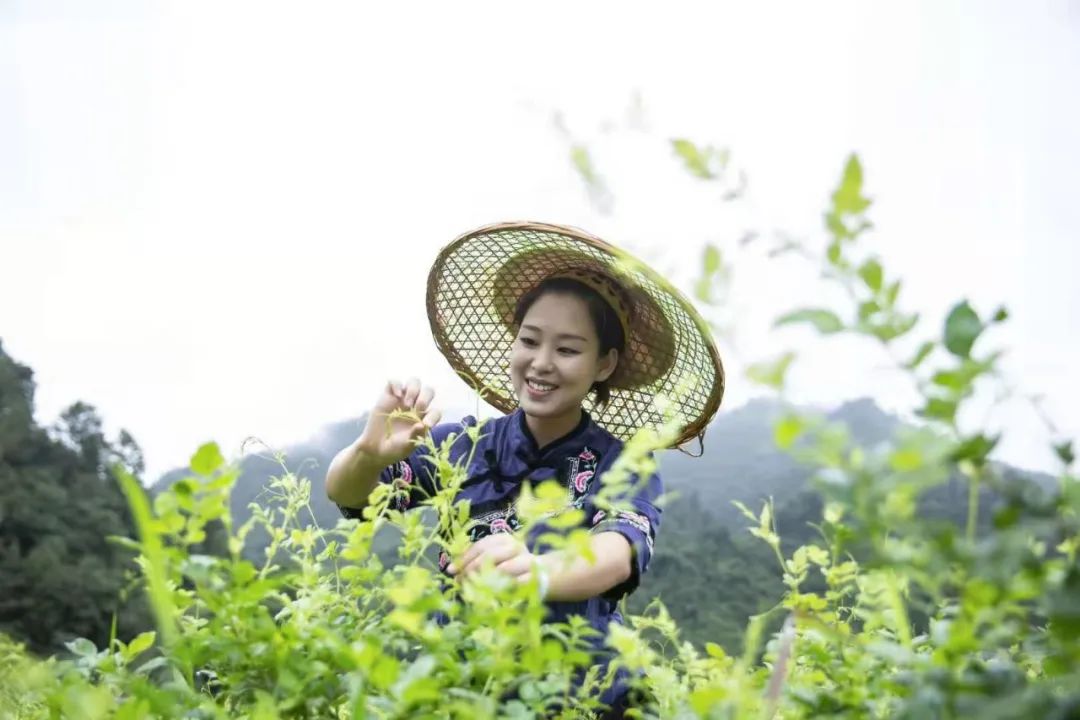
(539, 386)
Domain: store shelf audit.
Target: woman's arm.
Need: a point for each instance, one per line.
(568, 576)
(388, 437)
(352, 475)
(573, 577)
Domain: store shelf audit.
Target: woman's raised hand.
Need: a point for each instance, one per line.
(401, 417)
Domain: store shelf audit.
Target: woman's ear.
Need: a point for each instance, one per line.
(607, 364)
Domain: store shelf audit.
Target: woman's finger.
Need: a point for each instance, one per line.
(393, 389)
(518, 564)
(475, 550)
(470, 552)
(423, 400)
(432, 417)
(496, 555)
(412, 390)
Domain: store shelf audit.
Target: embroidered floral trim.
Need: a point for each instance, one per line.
(580, 471)
(504, 520)
(635, 520)
(581, 481)
(401, 476)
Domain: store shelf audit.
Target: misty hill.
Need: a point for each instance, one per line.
(741, 462)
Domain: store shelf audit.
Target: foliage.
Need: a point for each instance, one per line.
(60, 578)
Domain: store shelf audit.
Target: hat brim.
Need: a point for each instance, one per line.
(473, 289)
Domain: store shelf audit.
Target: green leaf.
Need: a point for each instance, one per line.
(1064, 451)
(834, 253)
(703, 289)
(868, 309)
(906, 459)
(848, 197)
(155, 559)
(939, 409)
(871, 274)
(713, 259)
(207, 459)
(765, 518)
(818, 555)
(892, 293)
(565, 520)
(715, 651)
(579, 156)
(826, 321)
(787, 431)
(976, 449)
(962, 327)
(895, 326)
(1001, 315)
(747, 512)
(528, 691)
(695, 160)
(921, 354)
(839, 231)
(772, 372)
(141, 643)
(81, 646)
(416, 683)
(960, 379)
(951, 379)
(703, 700)
(385, 671)
(152, 664)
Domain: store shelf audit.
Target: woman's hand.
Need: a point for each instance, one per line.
(505, 552)
(389, 436)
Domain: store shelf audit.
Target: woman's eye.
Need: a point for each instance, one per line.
(527, 342)
(569, 351)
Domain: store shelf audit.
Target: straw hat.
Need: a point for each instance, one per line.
(473, 290)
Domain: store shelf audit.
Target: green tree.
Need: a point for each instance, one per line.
(60, 576)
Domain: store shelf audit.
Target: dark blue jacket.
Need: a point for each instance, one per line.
(506, 456)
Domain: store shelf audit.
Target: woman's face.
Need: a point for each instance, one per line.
(555, 357)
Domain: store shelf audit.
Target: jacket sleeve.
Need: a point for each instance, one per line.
(636, 517)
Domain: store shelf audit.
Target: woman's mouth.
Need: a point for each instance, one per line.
(538, 388)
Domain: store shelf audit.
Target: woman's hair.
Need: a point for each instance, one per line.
(609, 328)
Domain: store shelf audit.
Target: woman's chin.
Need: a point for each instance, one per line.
(536, 409)
(545, 410)
(549, 405)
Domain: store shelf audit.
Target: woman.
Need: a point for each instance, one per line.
(545, 320)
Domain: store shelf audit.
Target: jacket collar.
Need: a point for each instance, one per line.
(527, 448)
(511, 454)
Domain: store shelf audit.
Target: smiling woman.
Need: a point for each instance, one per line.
(549, 320)
(568, 345)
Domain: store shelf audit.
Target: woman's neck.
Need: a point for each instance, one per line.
(546, 430)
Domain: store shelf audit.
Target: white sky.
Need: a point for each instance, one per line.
(216, 218)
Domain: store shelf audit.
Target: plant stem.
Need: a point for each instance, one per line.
(973, 504)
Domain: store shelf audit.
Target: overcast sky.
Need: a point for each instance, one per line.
(216, 218)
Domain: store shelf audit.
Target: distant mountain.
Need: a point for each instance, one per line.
(741, 461)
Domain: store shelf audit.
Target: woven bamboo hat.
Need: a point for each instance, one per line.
(474, 287)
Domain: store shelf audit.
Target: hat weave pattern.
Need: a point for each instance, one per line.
(477, 280)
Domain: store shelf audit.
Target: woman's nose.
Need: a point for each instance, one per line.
(542, 362)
